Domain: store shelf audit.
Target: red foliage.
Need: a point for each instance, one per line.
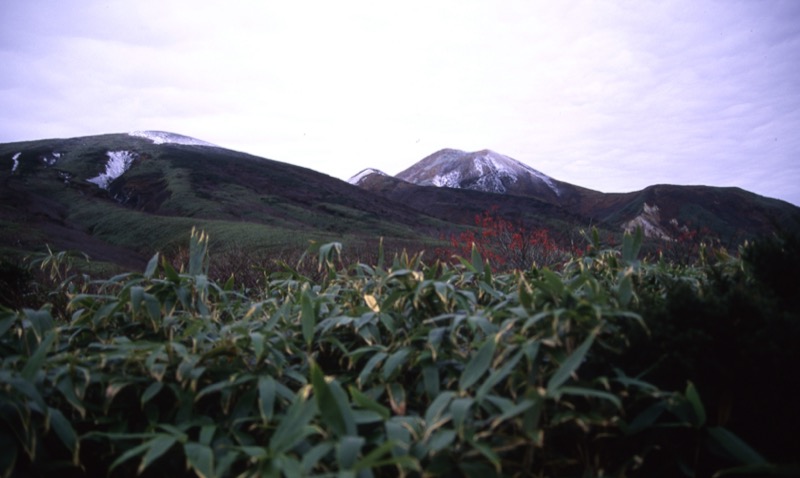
(687, 244)
(506, 244)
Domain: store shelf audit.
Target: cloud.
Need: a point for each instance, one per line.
(605, 94)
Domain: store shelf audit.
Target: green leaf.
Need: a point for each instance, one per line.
(646, 419)
(512, 411)
(498, 375)
(394, 361)
(440, 440)
(570, 364)
(590, 392)
(525, 294)
(40, 320)
(332, 403)
(370, 365)
(308, 318)
(365, 402)
(437, 407)
(382, 456)
(326, 252)
(314, 455)
(7, 322)
(156, 447)
(478, 365)
(459, 409)
(200, 458)
(477, 260)
(267, 391)
(67, 388)
(399, 436)
(169, 271)
(131, 453)
(430, 379)
(207, 434)
(150, 270)
(151, 391)
(347, 451)
(198, 253)
(25, 387)
(294, 425)
(735, 447)
(625, 289)
(632, 244)
(697, 405)
(38, 358)
(65, 432)
(490, 454)
(137, 296)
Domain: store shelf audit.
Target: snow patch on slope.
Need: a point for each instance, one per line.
(363, 174)
(448, 180)
(164, 137)
(118, 163)
(510, 167)
(15, 158)
(51, 159)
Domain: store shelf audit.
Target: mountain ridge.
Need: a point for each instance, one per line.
(682, 206)
(121, 197)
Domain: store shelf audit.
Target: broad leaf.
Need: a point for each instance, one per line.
(570, 364)
(478, 365)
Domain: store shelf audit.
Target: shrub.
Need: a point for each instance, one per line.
(395, 368)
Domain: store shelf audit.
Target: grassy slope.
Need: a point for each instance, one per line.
(239, 199)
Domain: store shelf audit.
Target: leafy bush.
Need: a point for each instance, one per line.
(401, 368)
(506, 244)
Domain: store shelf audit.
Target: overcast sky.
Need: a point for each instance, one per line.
(610, 95)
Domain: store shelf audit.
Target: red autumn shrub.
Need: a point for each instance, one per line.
(506, 244)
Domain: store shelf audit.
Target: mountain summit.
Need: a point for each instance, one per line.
(483, 170)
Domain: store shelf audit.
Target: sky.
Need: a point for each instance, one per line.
(609, 95)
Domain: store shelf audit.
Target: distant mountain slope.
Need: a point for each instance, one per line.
(121, 197)
(126, 195)
(730, 213)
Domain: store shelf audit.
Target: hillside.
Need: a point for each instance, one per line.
(120, 197)
(452, 183)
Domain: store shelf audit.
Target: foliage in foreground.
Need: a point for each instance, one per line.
(377, 370)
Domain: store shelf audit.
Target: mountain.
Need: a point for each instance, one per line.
(121, 197)
(437, 184)
(364, 174)
(483, 170)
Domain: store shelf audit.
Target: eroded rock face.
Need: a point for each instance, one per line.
(650, 222)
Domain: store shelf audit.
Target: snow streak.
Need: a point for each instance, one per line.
(118, 163)
(16, 161)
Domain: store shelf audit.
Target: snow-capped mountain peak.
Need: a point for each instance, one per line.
(483, 170)
(162, 137)
(358, 178)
